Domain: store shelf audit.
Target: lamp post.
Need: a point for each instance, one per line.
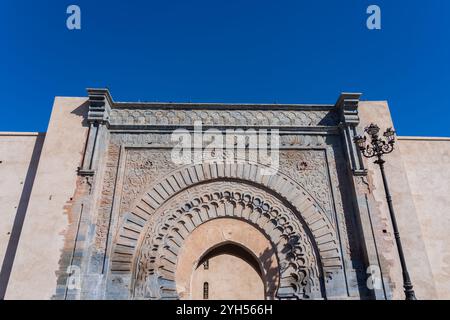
(377, 147)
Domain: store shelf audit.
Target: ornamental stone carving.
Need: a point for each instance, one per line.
(306, 167)
(167, 229)
(142, 168)
(140, 207)
(300, 214)
(155, 117)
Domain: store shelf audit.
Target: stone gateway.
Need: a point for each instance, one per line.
(105, 212)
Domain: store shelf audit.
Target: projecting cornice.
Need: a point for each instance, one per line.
(100, 103)
(347, 105)
(96, 93)
(169, 115)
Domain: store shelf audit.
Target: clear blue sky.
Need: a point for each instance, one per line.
(228, 51)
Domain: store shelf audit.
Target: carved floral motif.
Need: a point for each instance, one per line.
(309, 168)
(131, 116)
(142, 168)
(106, 198)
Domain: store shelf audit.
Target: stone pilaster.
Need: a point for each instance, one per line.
(347, 105)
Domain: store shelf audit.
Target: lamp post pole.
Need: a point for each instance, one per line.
(378, 147)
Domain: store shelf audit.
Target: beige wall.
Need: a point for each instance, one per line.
(408, 220)
(229, 276)
(19, 155)
(427, 164)
(34, 271)
(16, 150)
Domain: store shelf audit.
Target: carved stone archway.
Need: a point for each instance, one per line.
(152, 234)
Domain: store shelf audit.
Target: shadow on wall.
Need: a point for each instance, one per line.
(269, 277)
(20, 216)
(82, 111)
(273, 273)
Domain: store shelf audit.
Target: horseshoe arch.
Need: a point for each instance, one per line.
(152, 234)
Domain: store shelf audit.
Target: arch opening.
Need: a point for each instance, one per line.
(232, 273)
(241, 262)
(233, 250)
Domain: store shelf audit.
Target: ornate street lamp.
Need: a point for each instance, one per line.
(377, 147)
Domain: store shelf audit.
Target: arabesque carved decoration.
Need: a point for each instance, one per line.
(172, 223)
(106, 199)
(142, 168)
(303, 215)
(309, 168)
(136, 116)
(140, 206)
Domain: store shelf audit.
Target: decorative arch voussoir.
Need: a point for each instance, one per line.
(135, 223)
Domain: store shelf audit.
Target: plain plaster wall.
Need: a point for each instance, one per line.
(34, 270)
(427, 164)
(406, 214)
(229, 276)
(19, 157)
